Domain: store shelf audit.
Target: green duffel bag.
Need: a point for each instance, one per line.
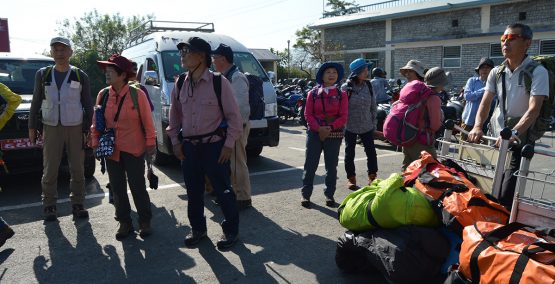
(386, 204)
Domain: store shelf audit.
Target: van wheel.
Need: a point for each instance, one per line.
(90, 164)
(254, 151)
(161, 159)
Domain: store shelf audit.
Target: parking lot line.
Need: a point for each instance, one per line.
(172, 185)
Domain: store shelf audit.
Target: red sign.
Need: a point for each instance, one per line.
(4, 36)
(18, 144)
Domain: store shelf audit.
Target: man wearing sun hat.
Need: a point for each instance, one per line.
(62, 94)
(209, 127)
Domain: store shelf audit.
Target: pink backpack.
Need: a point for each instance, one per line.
(401, 125)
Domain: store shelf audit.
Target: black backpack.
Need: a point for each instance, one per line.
(256, 97)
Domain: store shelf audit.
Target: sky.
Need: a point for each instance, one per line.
(255, 23)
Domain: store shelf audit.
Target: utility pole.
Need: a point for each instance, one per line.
(288, 60)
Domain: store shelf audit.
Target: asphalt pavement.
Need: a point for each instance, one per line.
(279, 241)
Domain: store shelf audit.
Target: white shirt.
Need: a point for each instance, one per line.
(517, 96)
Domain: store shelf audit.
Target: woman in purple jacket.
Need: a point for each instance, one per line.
(326, 115)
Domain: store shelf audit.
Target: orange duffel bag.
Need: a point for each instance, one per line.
(457, 201)
(513, 253)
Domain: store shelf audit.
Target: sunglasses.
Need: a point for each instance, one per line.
(184, 51)
(511, 37)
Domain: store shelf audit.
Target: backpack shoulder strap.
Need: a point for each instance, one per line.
(46, 74)
(74, 74)
(105, 93)
(527, 74)
(179, 84)
(369, 84)
(217, 80)
(134, 98)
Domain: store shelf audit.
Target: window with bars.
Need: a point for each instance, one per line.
(496, 54)
(451, 57)
(547, 47)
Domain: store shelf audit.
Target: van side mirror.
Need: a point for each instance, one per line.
(151, 78)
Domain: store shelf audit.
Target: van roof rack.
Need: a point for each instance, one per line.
(137, 34)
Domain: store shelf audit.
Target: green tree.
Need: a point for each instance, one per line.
(339, 7)
(97, 37)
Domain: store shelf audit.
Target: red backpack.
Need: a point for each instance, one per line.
(401, 125)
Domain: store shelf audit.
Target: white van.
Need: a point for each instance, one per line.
(153, 47)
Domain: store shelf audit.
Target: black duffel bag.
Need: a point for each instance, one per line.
(408, 254)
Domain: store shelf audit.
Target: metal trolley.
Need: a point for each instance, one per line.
(486, 163)
(534, 199)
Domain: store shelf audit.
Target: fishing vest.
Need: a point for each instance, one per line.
(63, 105)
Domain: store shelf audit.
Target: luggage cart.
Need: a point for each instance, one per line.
(534, 199)
(484, 162)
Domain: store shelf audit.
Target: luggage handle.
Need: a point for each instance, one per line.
(540, 247)
(505, 231)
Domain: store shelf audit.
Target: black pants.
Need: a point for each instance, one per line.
(508, 185)
(369, 148)
(129, 169)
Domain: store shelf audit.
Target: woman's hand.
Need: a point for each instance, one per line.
(324, 132)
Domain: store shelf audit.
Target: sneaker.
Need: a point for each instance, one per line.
(79, 211)
(50, 213)
(330, 202)
(305, 202)
(124, 230)
(244, 204)
(5, 234)
(226, 241)
(144, 229)
(194, 238)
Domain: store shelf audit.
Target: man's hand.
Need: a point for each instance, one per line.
(151, 150)
(224, 155)
(324, 132)
(33, 136)
(178, 152)
(475, 135)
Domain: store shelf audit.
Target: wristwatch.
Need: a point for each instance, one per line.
(515, 132)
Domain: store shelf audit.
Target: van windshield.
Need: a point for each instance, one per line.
(19, 75)
(245, 61)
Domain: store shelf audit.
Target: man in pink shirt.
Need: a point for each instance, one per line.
(205, 114)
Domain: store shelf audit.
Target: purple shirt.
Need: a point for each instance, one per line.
(197, 111)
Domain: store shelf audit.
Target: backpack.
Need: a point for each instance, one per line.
(543, 123)
(256, 94)
(8, 104)
(401, 124)
(457, 201)
(514, 253)
(350, 87)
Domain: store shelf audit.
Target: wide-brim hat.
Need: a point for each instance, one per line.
(357, 66)
(196, 44)
(415, 66)
(484, 61)
(436, 77)
(326, 65)
(119, 61)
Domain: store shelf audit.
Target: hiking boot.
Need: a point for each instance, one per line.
(226, 241)
(244, 204)
(79, 211)
(125, 228)
(330, 202)
(305, 202)
(144, 229)
(5, 234)
(50, 213)
(194, 238)
(371, 178)
(352, 183)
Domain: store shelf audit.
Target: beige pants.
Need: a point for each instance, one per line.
(240, 179)
(55, 137)
(413, 153)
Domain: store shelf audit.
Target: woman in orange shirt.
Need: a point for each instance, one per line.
(134, 136)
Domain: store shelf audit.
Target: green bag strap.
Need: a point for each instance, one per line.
(135, 100)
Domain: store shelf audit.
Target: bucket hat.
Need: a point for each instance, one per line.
(326, 65)
(357, 66)
(436, 77)
(121, 62)
(415, 66)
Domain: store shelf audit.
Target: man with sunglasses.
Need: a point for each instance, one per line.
(517, 108)
(210, 122)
